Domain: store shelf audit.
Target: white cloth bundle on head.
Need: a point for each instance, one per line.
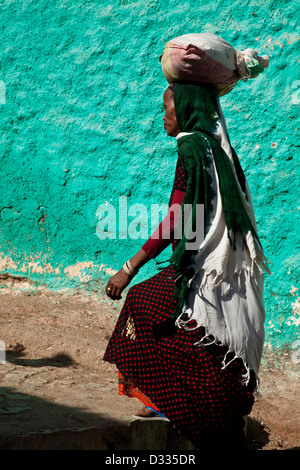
(207, 58)
(250, 64)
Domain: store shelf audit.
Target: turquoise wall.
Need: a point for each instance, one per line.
(81, 125)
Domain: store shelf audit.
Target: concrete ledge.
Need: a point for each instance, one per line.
(157, 434)
(64, 439)
(132, 434)
(135, 434)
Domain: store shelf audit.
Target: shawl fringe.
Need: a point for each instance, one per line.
(211, 279)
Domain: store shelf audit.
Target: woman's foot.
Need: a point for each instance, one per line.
(146, 412)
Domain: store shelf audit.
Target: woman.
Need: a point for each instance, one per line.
(189, 340)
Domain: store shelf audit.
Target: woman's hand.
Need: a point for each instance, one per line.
(121, 279)
(117, 284)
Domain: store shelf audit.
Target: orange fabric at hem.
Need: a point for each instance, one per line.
(126, 387)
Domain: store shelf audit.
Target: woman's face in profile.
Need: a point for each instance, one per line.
(170, 119)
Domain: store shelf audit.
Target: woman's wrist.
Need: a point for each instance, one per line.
(129, 269)
(132, 266)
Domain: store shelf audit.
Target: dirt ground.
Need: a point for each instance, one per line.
(54, 376)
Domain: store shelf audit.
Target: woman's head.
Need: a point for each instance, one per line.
(170, 118)
(190, 107)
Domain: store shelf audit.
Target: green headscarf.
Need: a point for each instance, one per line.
(196, 108)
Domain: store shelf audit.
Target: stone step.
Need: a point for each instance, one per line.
(155, 434)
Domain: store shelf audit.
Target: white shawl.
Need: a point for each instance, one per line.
(226, 292)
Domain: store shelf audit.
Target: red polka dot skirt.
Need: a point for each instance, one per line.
(159, 363)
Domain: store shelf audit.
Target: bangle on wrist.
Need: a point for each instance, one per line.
(129, 269)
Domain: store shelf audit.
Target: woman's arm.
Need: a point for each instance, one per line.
(158, 241)
(164, 233)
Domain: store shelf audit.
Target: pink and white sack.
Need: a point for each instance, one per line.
(207, 58)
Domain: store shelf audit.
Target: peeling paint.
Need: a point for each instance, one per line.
(79, 271)
(35, 267)
(7, 264)
(296, 308)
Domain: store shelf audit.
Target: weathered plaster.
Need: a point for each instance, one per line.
(81, 125)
